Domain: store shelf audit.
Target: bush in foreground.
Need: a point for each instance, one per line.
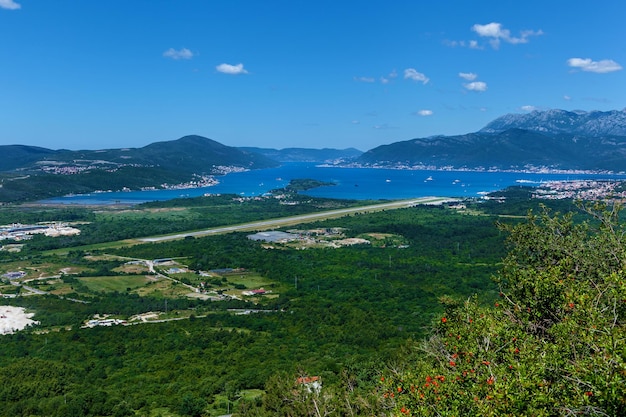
(554, 344)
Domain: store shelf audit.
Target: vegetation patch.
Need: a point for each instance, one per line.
(342, 315)
(382, 240)
(115, 283)
(247, 279)
(161, 288)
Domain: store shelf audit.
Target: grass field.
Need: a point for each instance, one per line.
(39, 269)
(8, 289)
(115, 283)
(159, 287)
(250, 280)
(165, 214)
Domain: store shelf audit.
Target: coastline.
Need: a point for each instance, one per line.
(536, 170)
(357, 183)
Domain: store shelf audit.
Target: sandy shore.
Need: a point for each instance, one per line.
(13, 319)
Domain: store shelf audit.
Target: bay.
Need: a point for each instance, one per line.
(351, 183)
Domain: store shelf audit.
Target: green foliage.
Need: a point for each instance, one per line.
(26, 215)
(552, 345)
(387, 294)
(191, 405)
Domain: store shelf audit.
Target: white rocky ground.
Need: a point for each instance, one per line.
(13, 319)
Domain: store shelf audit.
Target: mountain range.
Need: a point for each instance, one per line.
(539, 140)
(552, 139)
(551, 122)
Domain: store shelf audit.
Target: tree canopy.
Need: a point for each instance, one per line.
(553, 344)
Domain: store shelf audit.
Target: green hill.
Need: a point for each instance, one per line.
(32, 173)
(19, 156)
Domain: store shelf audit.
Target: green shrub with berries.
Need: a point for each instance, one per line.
(554, 344)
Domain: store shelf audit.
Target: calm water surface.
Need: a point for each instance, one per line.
(351, 183)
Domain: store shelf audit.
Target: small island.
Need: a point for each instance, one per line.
(304, 184)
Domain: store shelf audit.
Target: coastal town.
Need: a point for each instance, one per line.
(588, 190)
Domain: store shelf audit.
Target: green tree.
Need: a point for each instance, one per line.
(192, 405)
(552, 345)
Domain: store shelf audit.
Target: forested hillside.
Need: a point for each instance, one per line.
(552, 344)
(387, 290)
(431, 317)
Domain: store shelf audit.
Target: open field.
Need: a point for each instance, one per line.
(161, 288)
(248, 279)
(115, 283)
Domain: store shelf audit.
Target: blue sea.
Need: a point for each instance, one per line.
(351, 183)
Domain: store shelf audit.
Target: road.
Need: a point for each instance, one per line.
(150, 265)
(284, 221)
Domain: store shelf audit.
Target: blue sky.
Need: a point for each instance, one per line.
(112, 74)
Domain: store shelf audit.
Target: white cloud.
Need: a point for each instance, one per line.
(491, 30)
(355, 122)
(474, 45)
(476, 86)
(412, 74)
(469, 76)
(424, 112)
(566, 97)
(183, 53)
(528, 108)
(231, 69)
(600, 67)
(496, 33)
(364, 79)
(9, 4)
(386, 80)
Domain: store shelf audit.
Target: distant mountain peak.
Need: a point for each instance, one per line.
(593, 123)
(541, 139)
